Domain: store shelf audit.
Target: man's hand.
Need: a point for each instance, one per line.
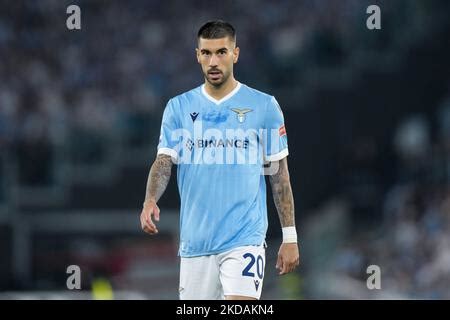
(157, 181)
(288, 258)
(150, 209)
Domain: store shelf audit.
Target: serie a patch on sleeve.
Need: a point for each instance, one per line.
(282, 131)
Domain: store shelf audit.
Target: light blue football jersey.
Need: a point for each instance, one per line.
(220, 147)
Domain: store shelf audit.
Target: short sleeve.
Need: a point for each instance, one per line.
(168, 141)
(275, 142)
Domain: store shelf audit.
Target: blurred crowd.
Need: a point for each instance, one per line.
(114, 76)
(411, 243)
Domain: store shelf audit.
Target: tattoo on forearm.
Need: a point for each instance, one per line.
(159, 177)
(282, 195)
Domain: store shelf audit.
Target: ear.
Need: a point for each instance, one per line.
(197, 52)
(235, 54)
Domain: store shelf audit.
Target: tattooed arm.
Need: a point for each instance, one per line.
(157, 182)
(288, 255)
(282, 194)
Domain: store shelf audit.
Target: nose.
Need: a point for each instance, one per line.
(213, 61)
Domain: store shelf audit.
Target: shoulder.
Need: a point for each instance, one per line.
(266, 100)
(257, 94)
(272, 108)
(186, 97)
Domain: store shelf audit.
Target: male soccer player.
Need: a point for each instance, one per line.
(220, 134)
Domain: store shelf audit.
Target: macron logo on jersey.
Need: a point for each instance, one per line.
(194, 116)
(256, 284)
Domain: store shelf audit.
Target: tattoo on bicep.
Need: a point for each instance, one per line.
(159, 177)
(282, 195)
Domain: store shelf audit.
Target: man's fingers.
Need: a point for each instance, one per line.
(153, 211)
(147, 223)
(293, 265)
(279, 262)
(150, 228)
(150, 224)
(156, 213)
(148, 214)
(288, 258)
(149, 220)
(281, 265)
(286, 267)
(141, 218)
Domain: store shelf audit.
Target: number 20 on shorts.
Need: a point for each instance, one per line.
(247, 272)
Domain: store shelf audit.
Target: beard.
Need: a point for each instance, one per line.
(216, 79)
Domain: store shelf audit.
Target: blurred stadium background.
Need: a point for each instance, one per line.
(367, 115)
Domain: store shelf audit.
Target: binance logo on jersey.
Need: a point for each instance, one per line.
(190, 144)
(224, 143)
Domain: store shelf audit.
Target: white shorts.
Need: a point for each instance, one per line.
(239, 272)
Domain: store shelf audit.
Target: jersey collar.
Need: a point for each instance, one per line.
(228, 96)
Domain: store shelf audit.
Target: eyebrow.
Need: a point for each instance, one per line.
(207, 50)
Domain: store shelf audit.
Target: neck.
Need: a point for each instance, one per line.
(221, 91)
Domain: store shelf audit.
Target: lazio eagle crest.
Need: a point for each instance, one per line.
(241, 113)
